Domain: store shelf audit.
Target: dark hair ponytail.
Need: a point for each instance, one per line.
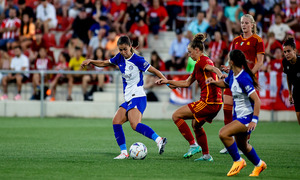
(239, 60)
(290, 42)
(198, 42)
(126, 40)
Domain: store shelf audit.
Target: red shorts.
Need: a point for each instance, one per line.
(227, 92)
(203, 111)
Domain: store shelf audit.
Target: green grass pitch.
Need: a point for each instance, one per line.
(71, 148)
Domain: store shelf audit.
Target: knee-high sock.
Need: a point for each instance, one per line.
(227, 113)
(202, 140)
(120, 137)
(146, 131)
(185, 131)
(253, 157)
(234, 152)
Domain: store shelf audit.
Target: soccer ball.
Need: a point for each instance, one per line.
(138, 151)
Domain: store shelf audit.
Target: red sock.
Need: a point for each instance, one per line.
(202, 140)
(185, 131)
(227, 113)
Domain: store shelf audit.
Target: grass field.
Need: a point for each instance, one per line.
(70, 148)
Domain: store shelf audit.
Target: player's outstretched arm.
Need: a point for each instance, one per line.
(183, 83)
(220, 83)
(215, 70)
(98, 63)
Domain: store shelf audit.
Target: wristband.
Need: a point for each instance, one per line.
(255, 119)
(168, 84)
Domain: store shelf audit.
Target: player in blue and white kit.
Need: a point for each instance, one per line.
(242, 83)
(132, 67)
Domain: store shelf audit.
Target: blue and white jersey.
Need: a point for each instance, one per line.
(132, 74)
(241, 87)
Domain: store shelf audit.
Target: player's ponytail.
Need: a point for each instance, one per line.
(254, 29)
(290, 42)
(239, 60)
(198, 42)
(126, 40)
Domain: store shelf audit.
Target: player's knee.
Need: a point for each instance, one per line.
(222, 134)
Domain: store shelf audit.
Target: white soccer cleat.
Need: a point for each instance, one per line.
(224, 151)
(161, 145)
(122, 156)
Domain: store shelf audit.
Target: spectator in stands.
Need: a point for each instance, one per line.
(74, 11)
(101, 8)
(62, 65)
(255, 8)
(231, 22)
(10, 29)
(42, 63)
(159, 64)
(10, 4)
(5, 60)
(157, 17)
(97, 41)
(214, 10)
(89, 6)
(138, 33)
(277, 9)
(95, 28)
(37, 43)
(27, 32)
(74, 65)
(81, 26)
(213, 27)
(111, 46)
(271, 44)
(217, 50)
(293, 15)
(174, 8)
(46, 16)
(178, 52)
(279, 28)
(72, 44)
(116, 14)
(18, 63)
(2, 7)
(23, 9)
(198, 25)
(275, 63)
(135, 10)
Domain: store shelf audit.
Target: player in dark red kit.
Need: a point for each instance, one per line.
(203, 110)
(253, 47)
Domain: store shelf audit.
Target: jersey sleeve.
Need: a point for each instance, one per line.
(115, 59)
(246, 84)
(142, 64)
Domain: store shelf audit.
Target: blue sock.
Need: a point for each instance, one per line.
(253, 157)
(146, 131)
(120, 137)
(234, 152)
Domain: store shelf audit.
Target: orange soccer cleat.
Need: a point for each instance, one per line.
(236, 167)
(257, 170)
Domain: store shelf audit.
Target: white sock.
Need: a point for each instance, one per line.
(124, 152)
(194, 145)
(259, 164)
(158, 139)
(239, 159)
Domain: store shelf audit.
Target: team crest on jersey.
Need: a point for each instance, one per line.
(234, 88)
(130, 67)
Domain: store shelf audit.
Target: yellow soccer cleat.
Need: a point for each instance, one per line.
(236, 167)
(257, 170)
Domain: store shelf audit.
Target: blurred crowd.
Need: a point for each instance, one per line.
(91, 28)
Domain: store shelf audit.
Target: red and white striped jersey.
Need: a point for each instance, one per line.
(9, 23)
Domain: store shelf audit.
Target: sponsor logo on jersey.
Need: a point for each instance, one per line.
(126, 76)
(145, 64)
(248, 88)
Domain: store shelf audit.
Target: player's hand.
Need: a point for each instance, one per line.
(210, 80)
(251, 126)
(291, 99)
(85, 63)
(225, 68)
(223, 76)
(162, 81)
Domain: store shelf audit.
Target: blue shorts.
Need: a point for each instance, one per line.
(244, 120)
(140, 103)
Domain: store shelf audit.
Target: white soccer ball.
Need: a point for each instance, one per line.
(138, 150)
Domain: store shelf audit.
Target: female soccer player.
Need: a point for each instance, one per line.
(242, 83)
(253, 47)
(291, 67)
(132, 67)
(203, 110)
